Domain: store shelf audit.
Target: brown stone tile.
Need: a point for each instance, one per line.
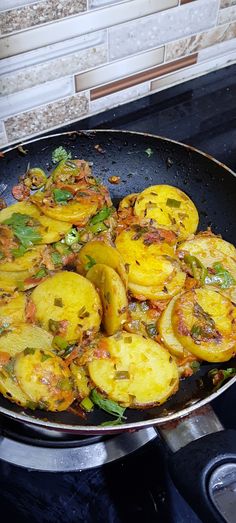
(144, 76)
(186, 1)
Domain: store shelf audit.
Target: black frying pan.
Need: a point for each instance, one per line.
(140, 160)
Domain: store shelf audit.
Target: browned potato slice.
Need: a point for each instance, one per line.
(12, 307)
(50, 230)
(26, 262)
(74, 212)
(166, 331)
(81, 380)
(128, 201)
(25, 335)
(101, 252)
(45, 378)
(163, 292)
(142, 319)
(71, 298)
(169, 207)
(148, 264)
(11, 390)
(10, 281)
(203, 321)
(113, 296)
(139, 373)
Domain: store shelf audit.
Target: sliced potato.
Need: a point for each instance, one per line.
(81, 380)
(204, 322)
(101, 252)
(113, 296)
(128, 201)
(74, 212)
(169, 207)
(71, 298)
(140, 373)
(12, 307)
(50, 230)
(148, 264)
(10, 281)
(11, 390)
(25, 335)
(163, 292)
(166, 331)
(28, 261)
(142, 319)
(45, 378)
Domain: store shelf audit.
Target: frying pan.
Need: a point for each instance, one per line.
(142, 160)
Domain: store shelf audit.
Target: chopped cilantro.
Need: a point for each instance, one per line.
(62, 195)
(60, 154)
(149, 152)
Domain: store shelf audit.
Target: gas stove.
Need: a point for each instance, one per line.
(46, 476)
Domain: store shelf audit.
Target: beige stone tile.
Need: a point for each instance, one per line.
(39, 13)
(227, 15)
(3, 136)
(62, 66)
(157, 29)
(199, 41)
(227, 3)
(95, 4)
(119, 98)
(46, 117)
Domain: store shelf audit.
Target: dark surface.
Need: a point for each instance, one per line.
(201, 113)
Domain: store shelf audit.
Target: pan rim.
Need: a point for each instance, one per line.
(84, 429)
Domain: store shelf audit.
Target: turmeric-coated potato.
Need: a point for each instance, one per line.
(67, 304)
(166, 331)
(45, 378)
(51, 230)
(204, 322)
(24, 335)
(101, 252)
(127, 201)
(169, 207)
(148, 263)
(12, 307)
(10, 281)
(139, 373)
(74, 212)
(81, 380)
(171, 286)
(29, 260)
(10, 389)
(113, 296)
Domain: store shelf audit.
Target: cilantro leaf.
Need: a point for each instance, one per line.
(222, 277)
(60, 154)
(26, 234)
(149, 152)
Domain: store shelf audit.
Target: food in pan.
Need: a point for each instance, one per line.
(106, 306)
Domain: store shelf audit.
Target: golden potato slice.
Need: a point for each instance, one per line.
(101, 252)
(113, 296)
(49, 229)
(169, 207)
(166, 331)
(148, 264)
(74, 212)
(163, 292)
(11, 390)
(203, 321)
(12, 307)
(29, 260)
(45, 378)
(10, 281)
(142, 319)
(69, 298)
(25, 335)
(140, 373)
(128, 201)
(81, 380)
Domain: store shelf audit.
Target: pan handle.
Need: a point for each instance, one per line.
(202, 464)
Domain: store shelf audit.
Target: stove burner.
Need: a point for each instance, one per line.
(51, 451)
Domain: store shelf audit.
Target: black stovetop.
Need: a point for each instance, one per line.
(138, 488)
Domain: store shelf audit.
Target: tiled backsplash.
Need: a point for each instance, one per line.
(64, 60)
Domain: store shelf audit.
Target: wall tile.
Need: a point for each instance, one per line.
(11, 4)
(47, 117)
(227, 15)
(160, 28)
(117, 70)
(199, 41)
(39, 13)
(94, 4)
(29, 98)
(119, 98)
(3, 136)
(216, 51)
(60, 67)
(227, 3)
(74, 26)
